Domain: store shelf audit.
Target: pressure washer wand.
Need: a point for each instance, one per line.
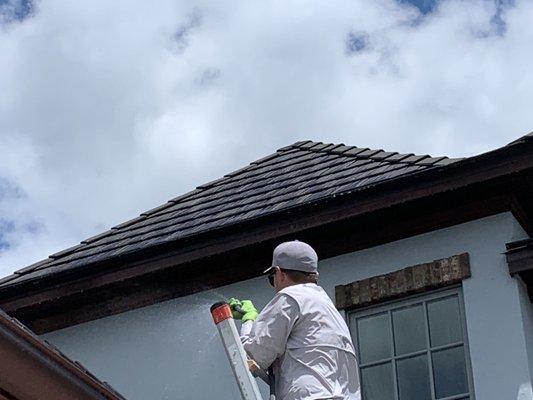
(239, 309)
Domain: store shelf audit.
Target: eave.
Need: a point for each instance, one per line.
(520, 261)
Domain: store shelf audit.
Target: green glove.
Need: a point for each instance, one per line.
(243, 310)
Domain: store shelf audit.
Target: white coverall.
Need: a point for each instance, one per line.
(303, 335)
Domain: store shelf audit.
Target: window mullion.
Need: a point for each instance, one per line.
(457, 397)
(447, 346)
(352, 318)
(428, 347)
(377, 362)
(411, 355)
(393, 358)
(466, 347)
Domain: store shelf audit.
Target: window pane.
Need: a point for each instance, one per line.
(449, 372)
(409, 329)
(413, 378)
(374, 339)
(377, 382)
(444, 321)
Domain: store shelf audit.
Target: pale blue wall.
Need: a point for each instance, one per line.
(527, 318)
(171, 350)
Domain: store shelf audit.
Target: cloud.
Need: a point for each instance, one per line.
(425, 6)
(111, 108)
(356, 42)
(12, 11)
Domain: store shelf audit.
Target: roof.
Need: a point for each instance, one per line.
(33, 368)
(223, 232)
(295, 175)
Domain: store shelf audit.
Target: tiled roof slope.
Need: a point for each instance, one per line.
(295, 175)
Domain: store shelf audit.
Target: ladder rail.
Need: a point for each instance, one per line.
(235, 351)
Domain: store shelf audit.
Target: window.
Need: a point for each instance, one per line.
(414, 349)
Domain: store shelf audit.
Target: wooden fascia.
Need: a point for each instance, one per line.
(31, 369)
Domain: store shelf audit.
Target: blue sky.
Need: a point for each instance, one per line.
(16, 10)
(111, 108)
(20, 9)
(425, 6)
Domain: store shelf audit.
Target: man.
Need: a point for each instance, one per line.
(300, 332)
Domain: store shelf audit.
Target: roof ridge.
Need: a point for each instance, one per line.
(295, 145)
(368, 153)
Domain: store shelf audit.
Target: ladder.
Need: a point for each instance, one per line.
(241, 366)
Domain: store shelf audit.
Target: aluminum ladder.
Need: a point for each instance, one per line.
(239, 362)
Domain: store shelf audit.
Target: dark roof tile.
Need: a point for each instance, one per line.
(309, 145)
(382, 155)
(185, 195)
(289, 147)
(413, 159)
(95, 238)
(256, 162)
(155, 210)
(447, 161)
(239, 171)
(355, 151)
(67, 251)
(336, 147)
(341, 149)
(130, 222)
(293, 176)
(398, 157)
(211, 184)
(8, 278)
(368, 153)
(320, 146)
(301, 143)
(329, 147)
(430, 160)
(33, 266)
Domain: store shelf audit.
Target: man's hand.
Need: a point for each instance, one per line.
(243, 310)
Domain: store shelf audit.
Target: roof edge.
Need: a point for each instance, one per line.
(457, 163)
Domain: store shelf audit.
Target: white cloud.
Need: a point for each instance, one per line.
(111, 108)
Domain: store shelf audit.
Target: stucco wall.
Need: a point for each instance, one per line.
(527, 318)
(171, 350)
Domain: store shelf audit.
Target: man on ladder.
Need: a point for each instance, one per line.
(300, 333)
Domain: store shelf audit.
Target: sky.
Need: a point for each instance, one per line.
(108, 109)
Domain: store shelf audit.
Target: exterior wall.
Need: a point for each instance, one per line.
(527, 315)
(171, 350)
